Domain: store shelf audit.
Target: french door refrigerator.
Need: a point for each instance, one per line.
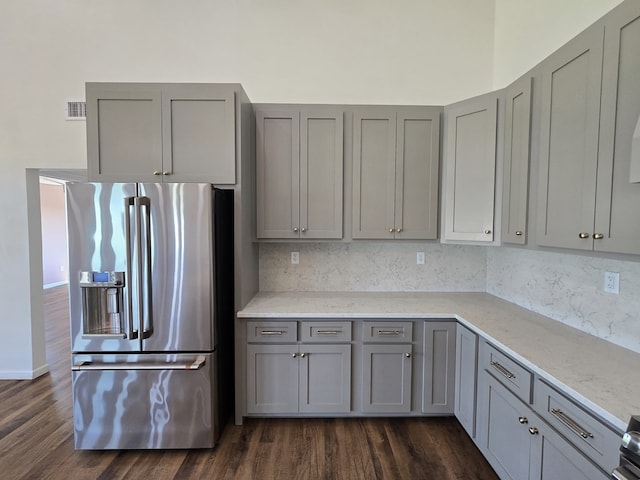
(150, 291)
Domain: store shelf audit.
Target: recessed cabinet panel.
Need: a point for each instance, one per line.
(374, 174)
(570, 120)
(325, 378)
(417, 176)
(272, 379)
(321, 165)
(277, 159)
(439, 367)
(387, 378)
(470, 169)
(516, 161)
(200, 143)
(617, 215)
(124, 134)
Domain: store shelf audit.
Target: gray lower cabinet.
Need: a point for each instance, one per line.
(519, 445)
(386, 381)
(161, 132)
(439, 367)
(395, 172)
(515, 188)
(590, 109)
(466, 379)
(303, 378)
(299, 163)
(470, 165)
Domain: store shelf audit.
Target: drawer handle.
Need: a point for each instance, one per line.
(389, 332)
(271, 332)
(571, 423)
(502, 370)
(328, 332)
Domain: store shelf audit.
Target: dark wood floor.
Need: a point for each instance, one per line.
(36, 439)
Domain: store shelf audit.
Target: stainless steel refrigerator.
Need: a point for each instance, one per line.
(151, 295)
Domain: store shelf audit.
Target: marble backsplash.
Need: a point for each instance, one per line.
(569, 288)
(372, 266)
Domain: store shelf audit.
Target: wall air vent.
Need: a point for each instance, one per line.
(76, 110)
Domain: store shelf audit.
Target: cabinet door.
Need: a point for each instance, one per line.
(374, 150)
(386, 382)
(552, 457)
(278, 175)
(321, 165)
(465, 381)
(198, 123)
(439, 367)
(570, 119)
(416, 186)
(470, 169)
(124, 132)
(272, 378)
(516, 161)
(503, 435)
(325, 378)
(618, 200)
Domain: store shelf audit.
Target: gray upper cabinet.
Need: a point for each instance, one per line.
(470, 165)
(516, 161)
(299, 172)
(617, 213)
(590, 110)
(395, 172)
(161, 132)
(571, 79)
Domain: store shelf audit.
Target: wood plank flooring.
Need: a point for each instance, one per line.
(36, 438)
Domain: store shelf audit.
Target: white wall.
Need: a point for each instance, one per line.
(528, 31)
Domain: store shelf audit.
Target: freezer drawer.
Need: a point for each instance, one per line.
(144, 401)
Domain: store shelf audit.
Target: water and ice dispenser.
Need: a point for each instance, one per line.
(103, 303)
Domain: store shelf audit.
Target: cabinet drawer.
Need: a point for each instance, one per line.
(387, 332)
(271, 332)
(331, 332)
(581, 428)
(515, 377)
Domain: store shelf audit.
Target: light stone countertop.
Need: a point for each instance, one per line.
(601, 375)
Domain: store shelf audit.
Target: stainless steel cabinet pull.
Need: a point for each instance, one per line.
(398, 230)
(583, 235)
(389, 332)
(166, 173)
(572, 424)
(598, 236)
(523, 420)
(391, 230)
(271, 332)
(303, 229)
(294, 355)
(302, 355)
(295, 229)
(502, 370)
(327, 332)
(533, 430)
(157, 173)
(408, 355)
(196, 364)
(518, 232)
(487, 231)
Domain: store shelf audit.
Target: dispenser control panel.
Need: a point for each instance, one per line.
(101, 279)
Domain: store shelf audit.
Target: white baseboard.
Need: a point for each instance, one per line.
(55, 284)
(24, 374)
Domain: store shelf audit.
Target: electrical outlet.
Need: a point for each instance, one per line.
(612, 282)
(420, 258)
(295, 258)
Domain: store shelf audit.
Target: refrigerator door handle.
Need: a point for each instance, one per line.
(196, 364)
(144, 266)
(128, 203)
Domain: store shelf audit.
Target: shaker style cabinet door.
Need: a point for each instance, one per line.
(272, 378)
(325, 378)
(570, 120)
(438, 391)
(124, 132)
(198, 123)
(516, 161)
(470, 164)
(299, 156)
(466, 379)
(386, 386)
(617, 215)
